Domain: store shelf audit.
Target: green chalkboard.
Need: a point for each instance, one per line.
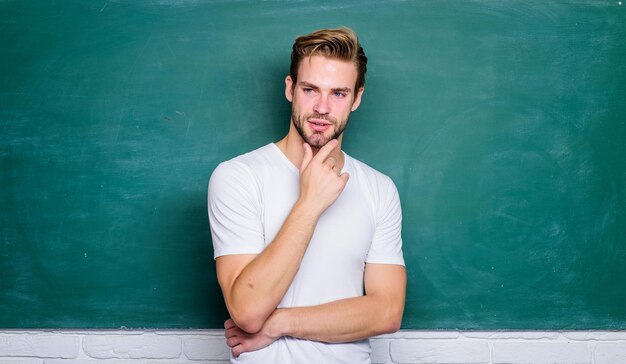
(503, 124)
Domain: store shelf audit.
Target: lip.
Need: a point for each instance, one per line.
(319, 125)
(319, 121)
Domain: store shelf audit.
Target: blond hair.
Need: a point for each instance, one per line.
(341, 43)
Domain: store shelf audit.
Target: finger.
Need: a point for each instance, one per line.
(237, 350)
(231, 332)
(233, 341)
(229, 323)
(308, 155)
(324, 151)
(331, 161)
(345, 176)
(240, 348)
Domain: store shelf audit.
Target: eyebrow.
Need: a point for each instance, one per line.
(337, 89)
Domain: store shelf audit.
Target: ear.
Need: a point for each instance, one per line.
(357, 99)
(289, 88)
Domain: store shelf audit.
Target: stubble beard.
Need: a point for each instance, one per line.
(317, 139)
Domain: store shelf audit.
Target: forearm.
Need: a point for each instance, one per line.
(258, 289)
(340, 321)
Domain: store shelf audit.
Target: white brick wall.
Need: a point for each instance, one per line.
(209, 347)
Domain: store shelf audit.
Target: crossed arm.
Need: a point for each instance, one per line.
(254, 285)
(351, 319)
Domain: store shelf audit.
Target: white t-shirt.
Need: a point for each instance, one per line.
(250, 197)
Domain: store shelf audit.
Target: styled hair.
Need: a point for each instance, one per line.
(341, 43)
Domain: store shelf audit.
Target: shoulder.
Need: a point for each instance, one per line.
(241, 175)
(375, 186)
(369, 176)
(242, 166)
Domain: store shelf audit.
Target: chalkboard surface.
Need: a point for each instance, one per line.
(503, 125)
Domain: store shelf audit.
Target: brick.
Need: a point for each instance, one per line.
(540, 353)
(95, 361)
(518, 335)
(147, 346)
(195, 333)
(421, 335)
(39, 345)
(595, 335)
(380, 351)
(437, 351)
(98, 332)
(186, 362)
(610, 353)
(206, 348)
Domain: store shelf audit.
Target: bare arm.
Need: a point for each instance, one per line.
(378, 312)
(253, 285)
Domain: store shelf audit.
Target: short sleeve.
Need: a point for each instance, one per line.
(235, 213)
(386, 245)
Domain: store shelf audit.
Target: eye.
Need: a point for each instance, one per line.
(307, 90)
(340, 94)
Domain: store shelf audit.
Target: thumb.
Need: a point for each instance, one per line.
(345, 176)
(308, 155)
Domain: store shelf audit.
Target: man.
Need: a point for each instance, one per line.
(307, 239)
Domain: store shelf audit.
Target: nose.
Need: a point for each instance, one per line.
(322, 106)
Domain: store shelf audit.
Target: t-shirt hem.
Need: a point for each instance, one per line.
(387, 261)
(220, 253)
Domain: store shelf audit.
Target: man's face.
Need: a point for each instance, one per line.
(323, 98)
